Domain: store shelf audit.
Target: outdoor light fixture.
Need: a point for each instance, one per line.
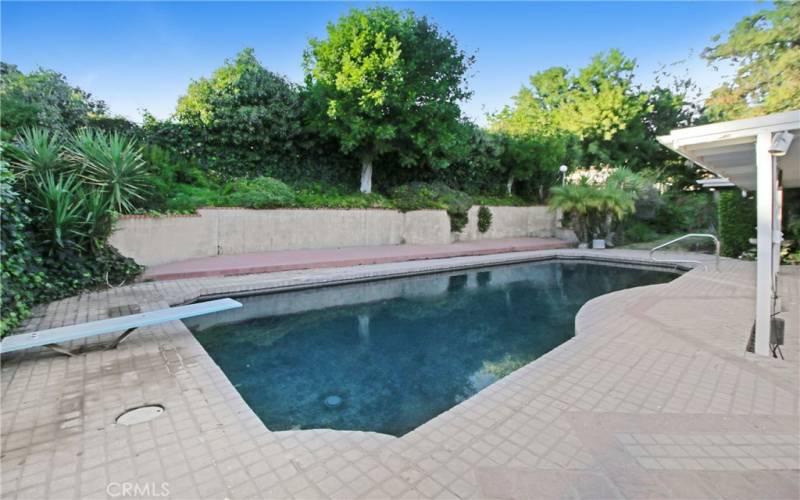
(563, 170)
(780, 143)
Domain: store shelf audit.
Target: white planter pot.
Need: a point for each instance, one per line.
(583, 246)
(599, 244)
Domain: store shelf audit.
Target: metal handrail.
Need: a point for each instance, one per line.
(690, 235)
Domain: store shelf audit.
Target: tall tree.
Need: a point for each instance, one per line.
(43, 98)
(766, 48)
(387, 82)
(247, 117)
(597, 115)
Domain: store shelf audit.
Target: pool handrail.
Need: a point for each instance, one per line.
(690, 235)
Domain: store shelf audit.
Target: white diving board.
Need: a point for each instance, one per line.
(53, 337)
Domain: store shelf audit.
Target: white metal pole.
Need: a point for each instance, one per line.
(765, 191)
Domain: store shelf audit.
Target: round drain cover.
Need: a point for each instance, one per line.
(333, 401)
(141, 414)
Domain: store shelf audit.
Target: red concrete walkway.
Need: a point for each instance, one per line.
(266, 262)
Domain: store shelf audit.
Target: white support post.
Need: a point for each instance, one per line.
(777, 238)
(765, 193)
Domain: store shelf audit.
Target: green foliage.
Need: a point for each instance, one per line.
(737, 222)
(53, 246)
(177, 185)
(597, 115)
(110, 124)
(501, 201)
(592, 209)
(43, 98)
(326, 196)
(387, 83)
(790, 250)
(766, 48)
(187, 198)
(37, 151)
(638, 231)
(112, 163)
(242, 121)
(419, 196)
(61, 215)
(261, 192)
(484, 219)
(20, 273)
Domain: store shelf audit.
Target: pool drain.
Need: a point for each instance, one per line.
(333, 401)
(140, 414)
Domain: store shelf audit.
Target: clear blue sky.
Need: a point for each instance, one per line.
(143, 55)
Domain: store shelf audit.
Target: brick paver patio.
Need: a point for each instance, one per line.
(654, 397)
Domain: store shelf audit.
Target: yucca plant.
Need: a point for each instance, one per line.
(99, 220)
(111, 162)
(36, 151)
(59, 211)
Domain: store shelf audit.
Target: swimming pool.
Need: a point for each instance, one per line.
(389, 355)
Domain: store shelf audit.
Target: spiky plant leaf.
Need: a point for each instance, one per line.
(113, 163)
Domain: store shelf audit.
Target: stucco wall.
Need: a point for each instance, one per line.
(158, 240)
(511, 222)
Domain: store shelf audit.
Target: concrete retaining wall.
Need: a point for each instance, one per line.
(158, 240)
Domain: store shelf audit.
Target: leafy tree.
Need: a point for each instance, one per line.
(245, 118)
(532, 158)
(43, 98)
(766, 47)
(386, 82)
(597, 115)
(534, 145)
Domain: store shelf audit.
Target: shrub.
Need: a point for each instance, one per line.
(177, 185)
(20, 272)
(246, 118)
(737, 222)
(36, 151)
(326, 196)
(484, 219)
(188, 198)
(261, 192)
(419, 196)
(638, 231)
(54, 241)
(60, 212)
(112, 163)
(592, 207)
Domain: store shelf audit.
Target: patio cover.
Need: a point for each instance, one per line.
(739, 151)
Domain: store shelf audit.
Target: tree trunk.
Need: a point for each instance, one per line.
(510, 184)
(366, 175)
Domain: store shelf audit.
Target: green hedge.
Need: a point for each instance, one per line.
(737, 222)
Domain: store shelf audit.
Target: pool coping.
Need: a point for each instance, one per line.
(437, 266)
(501, 259)
(203, 403)
(677, 268)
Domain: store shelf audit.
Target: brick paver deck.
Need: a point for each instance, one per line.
(288, 260)
(654, 397)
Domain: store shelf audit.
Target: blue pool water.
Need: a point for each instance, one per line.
(387, 356)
